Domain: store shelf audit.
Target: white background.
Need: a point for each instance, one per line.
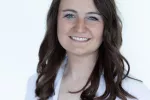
(22, 28)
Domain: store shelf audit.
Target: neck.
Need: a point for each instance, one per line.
(80, 67)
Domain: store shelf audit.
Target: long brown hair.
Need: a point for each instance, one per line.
(110, 60)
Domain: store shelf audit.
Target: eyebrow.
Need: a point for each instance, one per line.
(70, 10)
(76, 11)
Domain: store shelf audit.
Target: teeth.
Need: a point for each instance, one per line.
(79, 39)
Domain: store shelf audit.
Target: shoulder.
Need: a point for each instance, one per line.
(31, 85)
(136, 88)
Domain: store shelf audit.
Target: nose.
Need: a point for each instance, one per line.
(80, 26)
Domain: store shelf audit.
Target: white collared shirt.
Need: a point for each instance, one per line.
(135, 88)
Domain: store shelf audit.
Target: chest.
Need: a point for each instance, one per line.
(68, 96)
(65, 87)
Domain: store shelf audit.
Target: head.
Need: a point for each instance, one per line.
(79, 26)
(83, 27)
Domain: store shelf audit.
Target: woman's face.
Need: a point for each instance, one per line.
(80, 26)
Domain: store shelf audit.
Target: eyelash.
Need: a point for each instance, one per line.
(68, 15)
(93, 18)
(72, 16)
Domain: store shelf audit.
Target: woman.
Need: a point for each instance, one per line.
(79, 58)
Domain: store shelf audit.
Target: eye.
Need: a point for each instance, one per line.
(69, 16)
(93, 18)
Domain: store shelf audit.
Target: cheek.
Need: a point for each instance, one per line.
(63, 27)
(63, 31)
(98, 32)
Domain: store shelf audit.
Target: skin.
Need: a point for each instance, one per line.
(78, 18)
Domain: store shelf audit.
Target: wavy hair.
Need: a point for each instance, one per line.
(110, 61)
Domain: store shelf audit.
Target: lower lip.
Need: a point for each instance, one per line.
(79, 41)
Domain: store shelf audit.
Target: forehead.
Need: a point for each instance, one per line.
(78, 5)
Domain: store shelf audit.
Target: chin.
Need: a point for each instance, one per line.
(79, 52)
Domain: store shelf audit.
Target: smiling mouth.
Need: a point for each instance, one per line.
(79, 39)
